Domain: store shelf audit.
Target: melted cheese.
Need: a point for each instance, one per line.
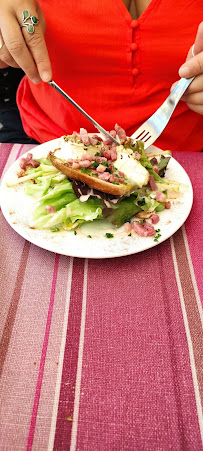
(71, 150)
(131, 167)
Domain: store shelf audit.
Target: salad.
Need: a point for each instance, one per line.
(62, 203)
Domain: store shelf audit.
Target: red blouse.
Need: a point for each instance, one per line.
(118, 69)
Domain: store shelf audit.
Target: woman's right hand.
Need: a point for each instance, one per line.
(20, 48)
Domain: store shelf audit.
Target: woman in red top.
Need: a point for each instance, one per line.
(116, 58)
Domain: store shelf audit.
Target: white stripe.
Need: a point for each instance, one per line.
(79, 368)
(192, 275)
(190, 347)
(61, 357)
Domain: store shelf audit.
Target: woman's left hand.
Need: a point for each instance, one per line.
(194, 67)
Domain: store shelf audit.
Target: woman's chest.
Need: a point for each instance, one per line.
(136, 7)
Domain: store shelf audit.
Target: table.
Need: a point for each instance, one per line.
(103, 354)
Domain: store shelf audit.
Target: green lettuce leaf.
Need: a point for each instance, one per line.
(74, 211)
(122, 212)
(56, 202)
(88, 211)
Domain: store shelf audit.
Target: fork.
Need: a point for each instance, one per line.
(154, 126)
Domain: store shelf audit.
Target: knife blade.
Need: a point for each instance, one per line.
(96, 125)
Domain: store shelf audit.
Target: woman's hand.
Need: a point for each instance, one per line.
(18, 47)
(194, 67)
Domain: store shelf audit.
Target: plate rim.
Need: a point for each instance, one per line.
(48, 245)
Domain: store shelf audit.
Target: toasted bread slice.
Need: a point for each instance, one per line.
(92, 182)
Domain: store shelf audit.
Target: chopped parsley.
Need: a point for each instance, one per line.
(95, 164)
(109, 235)
(55, 229)
(127, 220)
(158, 235)
(89, 236)
(141, 202)
(75, 233)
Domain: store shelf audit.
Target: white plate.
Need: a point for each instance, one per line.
(17, 209)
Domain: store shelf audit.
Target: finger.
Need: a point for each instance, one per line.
(17, 48)
(2, 64)
(21, 49)
(197, 108)
(194, 98)
(5, 57)
(198, 45)
(174, 85)
(196, 85)
(194, 65)
(1, 41)
(37, 46)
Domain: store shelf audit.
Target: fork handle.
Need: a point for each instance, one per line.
(167, 108)
(179, 89)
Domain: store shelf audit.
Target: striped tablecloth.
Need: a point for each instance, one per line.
(103, 354)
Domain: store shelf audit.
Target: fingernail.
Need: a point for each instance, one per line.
(36, 80)
(173, 86)
(184, 71)
(46, 76)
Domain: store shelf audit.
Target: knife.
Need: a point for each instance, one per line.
(101, 129)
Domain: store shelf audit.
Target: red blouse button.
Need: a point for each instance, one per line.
(134, 24)
(135, 72)
(133, 47)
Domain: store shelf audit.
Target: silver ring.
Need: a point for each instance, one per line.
(193, 53)
(33, 21)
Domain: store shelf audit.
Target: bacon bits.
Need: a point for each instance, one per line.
(127, 227)
(28, 161)
(85, 164)
(121, 133)
(160, 197)
(152, 183)
(50, 209)
(105, 176)
(144, 229)
(154, 219)
(101, 168)
(84, 137)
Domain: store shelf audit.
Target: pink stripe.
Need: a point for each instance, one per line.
(136, 387)
(68, 380)
(19, 152)
(43, 357)
(17, 156)
(194, 226)
(4, 154)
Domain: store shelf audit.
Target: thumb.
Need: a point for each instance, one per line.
(198, 45)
